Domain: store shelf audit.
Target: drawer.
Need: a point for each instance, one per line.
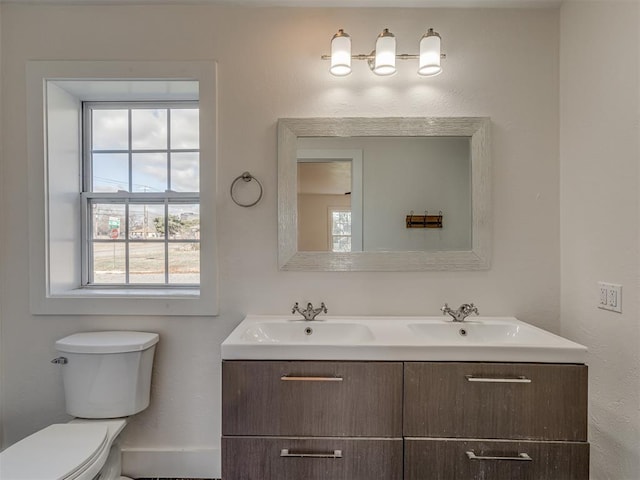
(493, 400)
(431, 459)
(319, 399)
(278, 458)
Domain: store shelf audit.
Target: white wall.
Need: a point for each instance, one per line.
(1, 237)
(600, 222)
(501, 63)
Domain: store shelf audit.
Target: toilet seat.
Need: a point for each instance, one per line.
(58, 452)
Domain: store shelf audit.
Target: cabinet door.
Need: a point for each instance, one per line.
(493, 400)
(431, 459)
(276, 458)
(319, 399)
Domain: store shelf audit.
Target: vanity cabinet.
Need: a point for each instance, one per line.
(354, 420)
(461, 459)
(297, 458)
(495, 421)
(312, 420)
(495, 400)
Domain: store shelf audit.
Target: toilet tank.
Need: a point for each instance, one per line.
(107, 374)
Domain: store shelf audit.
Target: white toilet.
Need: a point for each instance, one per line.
(107, 377)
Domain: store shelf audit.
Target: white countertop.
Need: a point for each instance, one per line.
(388, 338)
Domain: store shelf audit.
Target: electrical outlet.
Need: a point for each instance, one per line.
(604, 292)
(610, 297)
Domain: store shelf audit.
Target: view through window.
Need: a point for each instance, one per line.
(340, 230)
(141, 194)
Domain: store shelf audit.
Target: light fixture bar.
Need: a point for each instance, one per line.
(399, 56)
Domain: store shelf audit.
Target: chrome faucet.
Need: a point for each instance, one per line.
(461, 313)
(309, 313)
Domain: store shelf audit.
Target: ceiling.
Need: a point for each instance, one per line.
(321, 3)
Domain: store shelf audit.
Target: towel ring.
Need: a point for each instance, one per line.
(247, 177)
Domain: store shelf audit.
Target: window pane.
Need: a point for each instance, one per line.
(149, 129)
(341, 224)
(184, 221)
(107, 221)
(110, 172)
(149, 172)
(146, 262)
(341, 244)
(146, 221)
(185, 172)
(110, 129)
(184, 263)
(109, 262)
(185, 128)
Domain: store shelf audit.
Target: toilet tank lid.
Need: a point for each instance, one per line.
(107, 342)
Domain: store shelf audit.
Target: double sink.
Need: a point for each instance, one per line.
(481, 339)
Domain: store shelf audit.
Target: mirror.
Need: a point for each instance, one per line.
(384, 194)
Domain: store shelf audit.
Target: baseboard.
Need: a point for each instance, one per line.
(189, 463)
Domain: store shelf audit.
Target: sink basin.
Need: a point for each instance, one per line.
(478, 339)
(316, 332)
(481, 332)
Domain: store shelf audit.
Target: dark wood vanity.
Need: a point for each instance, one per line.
(355, 420)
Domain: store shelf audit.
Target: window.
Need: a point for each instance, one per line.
(122, 187)
(340, 228)
(141, 198)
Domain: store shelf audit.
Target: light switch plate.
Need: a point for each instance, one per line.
(610, 296)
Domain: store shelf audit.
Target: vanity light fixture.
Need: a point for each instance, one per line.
(340, 54)
(430, 56)
(384, 56)
(382, 61)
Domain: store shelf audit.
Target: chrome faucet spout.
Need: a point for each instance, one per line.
(461, 313)
(309, 313)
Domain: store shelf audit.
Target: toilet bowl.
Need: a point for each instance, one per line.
(107, 377)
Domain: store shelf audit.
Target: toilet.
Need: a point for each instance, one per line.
(107, 378)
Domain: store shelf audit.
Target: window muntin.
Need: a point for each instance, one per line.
(340, 229)
(141, 194)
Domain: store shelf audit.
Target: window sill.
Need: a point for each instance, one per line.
(123, 301)
(97, 292)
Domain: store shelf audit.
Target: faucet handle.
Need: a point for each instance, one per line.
(323, 307)
(295, 308)
(445, 309)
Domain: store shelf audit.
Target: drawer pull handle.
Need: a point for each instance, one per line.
(286, 453)
(291, 378)
(522, 457)
(521, 379)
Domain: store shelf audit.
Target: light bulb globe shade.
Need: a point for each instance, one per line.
(429, 64)
(385, 55)
(340, 54)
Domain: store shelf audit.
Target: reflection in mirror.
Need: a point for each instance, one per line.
(399, 175)
(329, 196)
(324, 206)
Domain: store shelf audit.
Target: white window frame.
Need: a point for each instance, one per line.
(330, 211)
(130, 197)
(55, 286)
